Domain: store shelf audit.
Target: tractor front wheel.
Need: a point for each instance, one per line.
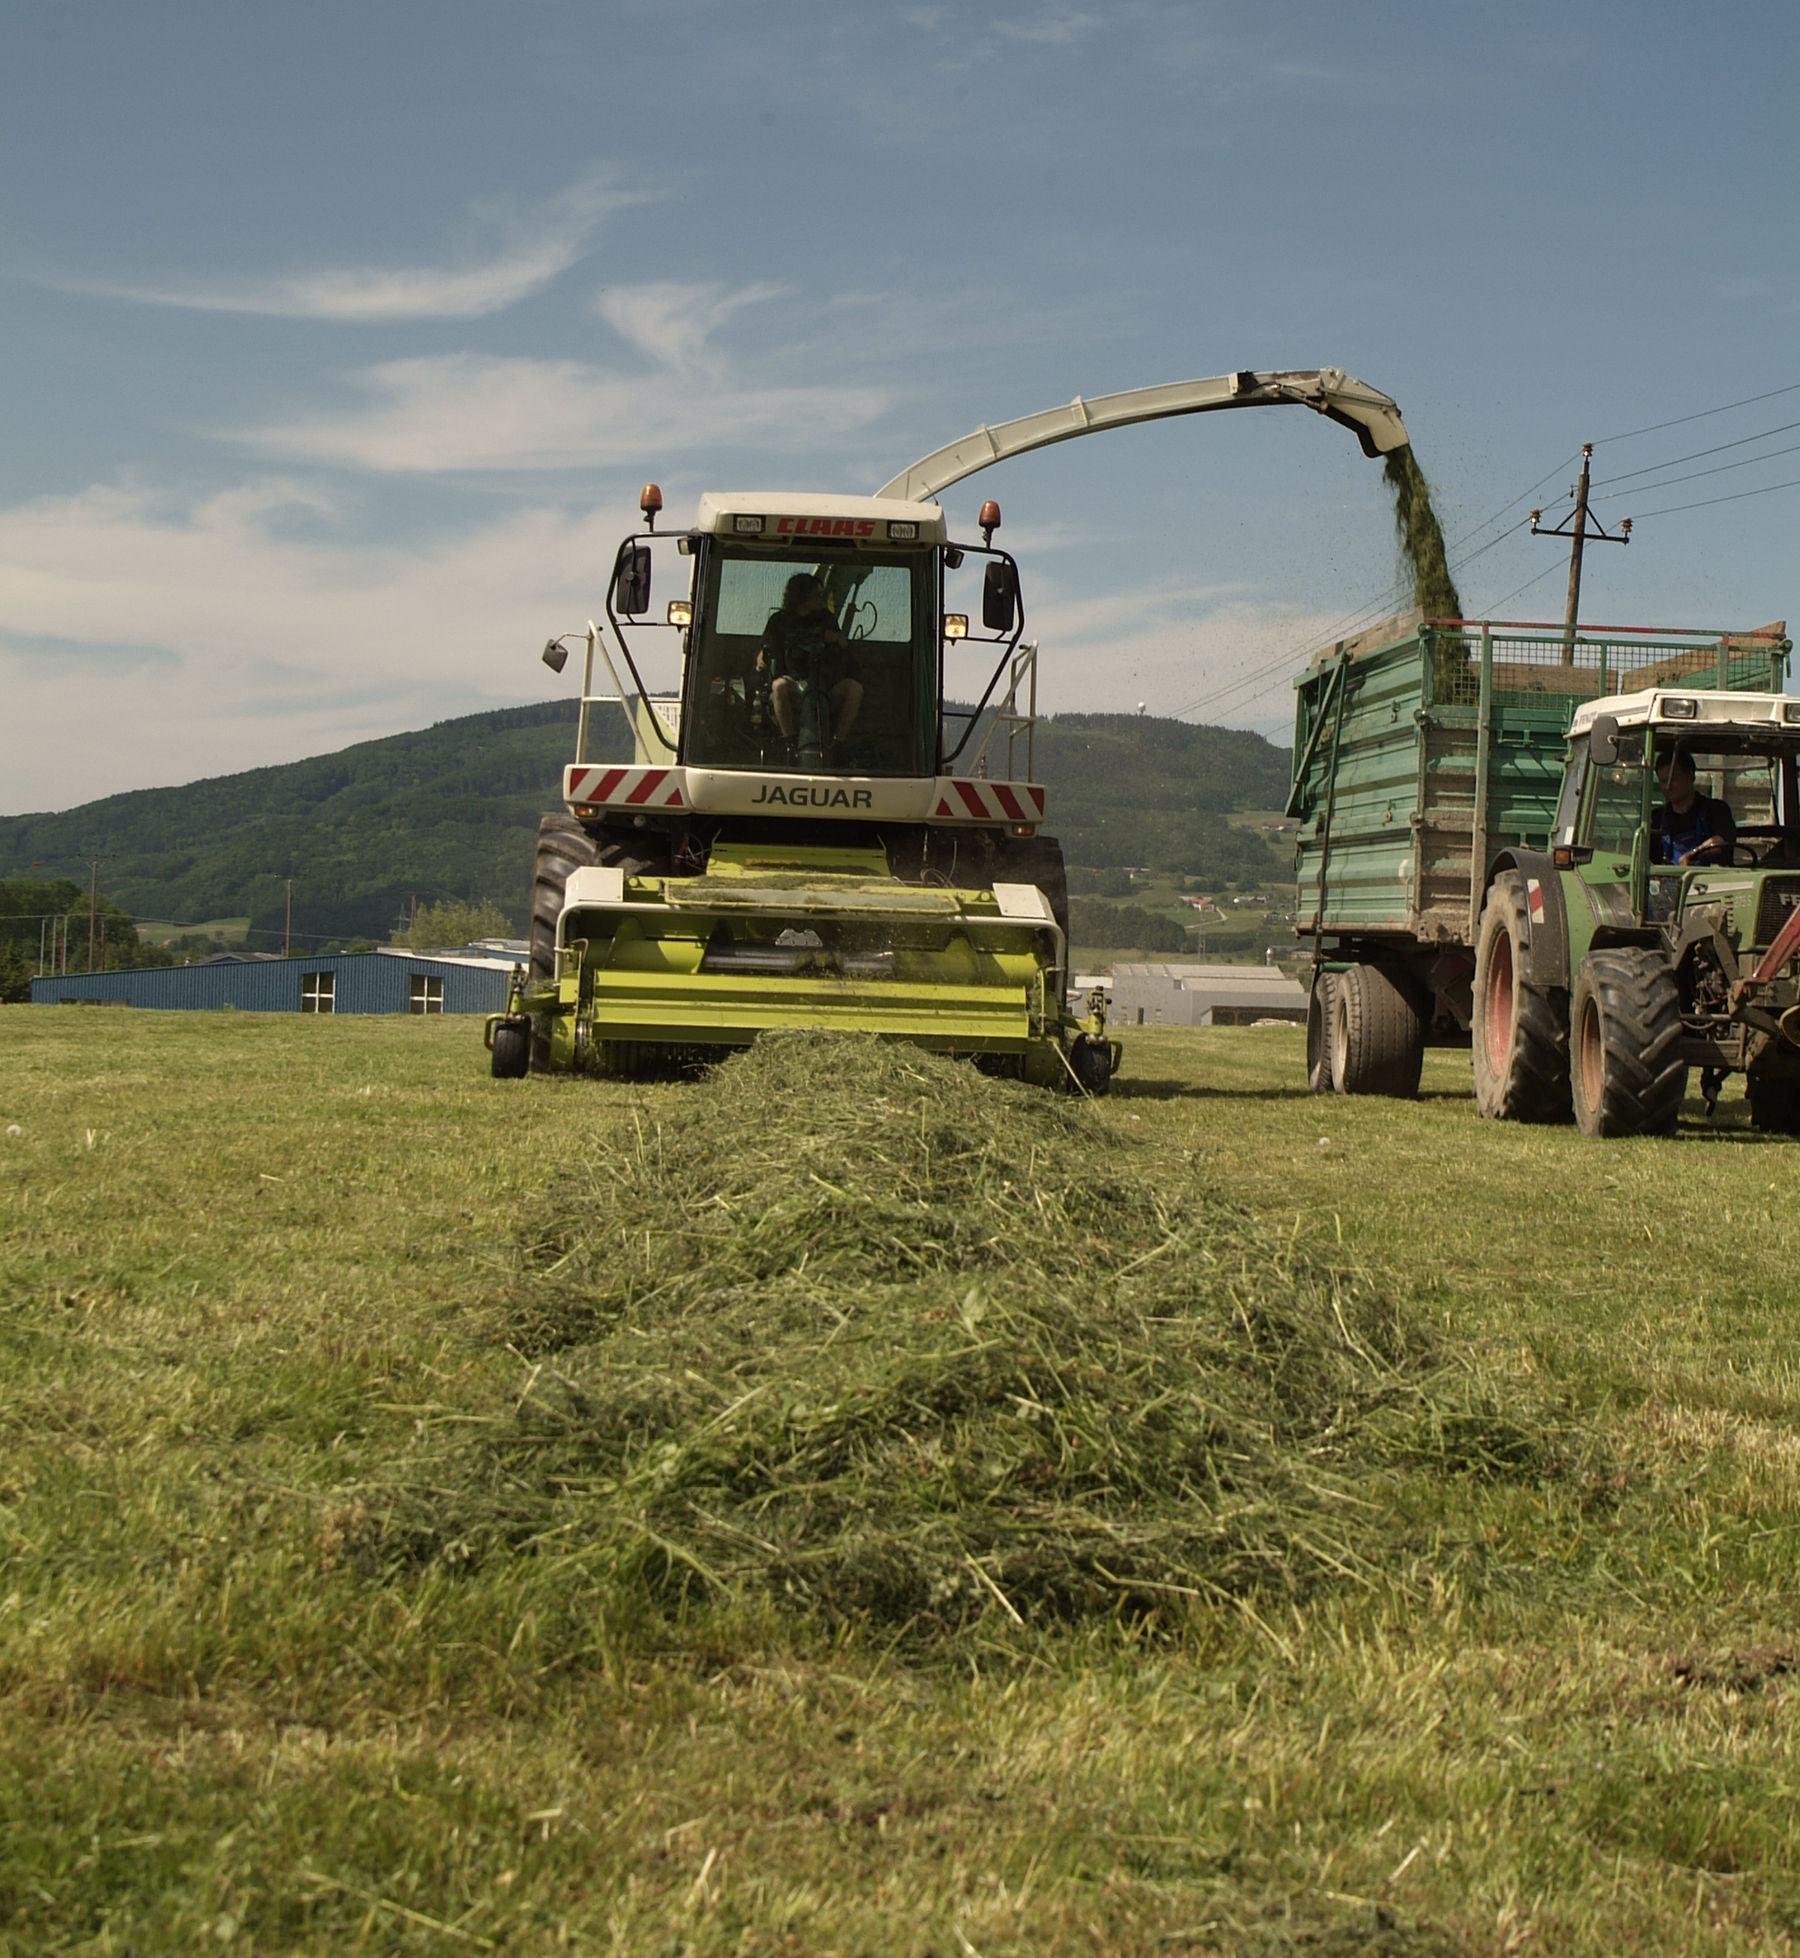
(1377, 1034)
(1521, 1031)
(1625, 1032)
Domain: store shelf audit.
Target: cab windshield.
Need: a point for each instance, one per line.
(813, 665)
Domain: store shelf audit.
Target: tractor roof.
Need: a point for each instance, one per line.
(773, 516)
(1680, 707)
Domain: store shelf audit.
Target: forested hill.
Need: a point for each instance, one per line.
(451, 812)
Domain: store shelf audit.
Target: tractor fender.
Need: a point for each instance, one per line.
(1546, 963)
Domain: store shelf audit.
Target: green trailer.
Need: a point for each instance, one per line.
(1424, 750)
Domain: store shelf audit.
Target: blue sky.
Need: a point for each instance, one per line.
(338, 339)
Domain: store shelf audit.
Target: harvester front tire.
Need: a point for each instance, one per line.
(1377, 1035)
(1318, 1035)
(511, 1058)
(1520, 1034)
(563, 847)
(1625, 1033)
(1038, 860)
(1774, 1103)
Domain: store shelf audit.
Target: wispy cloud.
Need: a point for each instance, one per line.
(532, 249)
(674, 324)
(249, 645)
(472, 411)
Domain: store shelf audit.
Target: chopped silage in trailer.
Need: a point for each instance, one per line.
(854, 1330)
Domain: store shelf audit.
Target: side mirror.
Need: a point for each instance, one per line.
(556, 655)
(1603, 740)
(631, 580)
(999, 596)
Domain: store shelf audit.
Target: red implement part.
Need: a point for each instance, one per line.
(1787, 941)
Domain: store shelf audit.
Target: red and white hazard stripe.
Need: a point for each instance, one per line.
(626, 788)
(962, 799)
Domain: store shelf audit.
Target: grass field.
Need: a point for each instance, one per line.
(254, 1272)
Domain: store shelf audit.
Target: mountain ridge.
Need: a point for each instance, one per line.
(450, 811)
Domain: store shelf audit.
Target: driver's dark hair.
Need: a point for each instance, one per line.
(1679, 758)
(801, 585)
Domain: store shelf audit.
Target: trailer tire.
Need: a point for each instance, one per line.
(1520, 1031)
(564, 846)
(1377, 1034)
(1625, 1033)
(1318, 1035)
(1774, 1103)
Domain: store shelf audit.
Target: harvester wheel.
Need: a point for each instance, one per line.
(1521, 1031)
(1774, 1103)
(1037, 860)
(1091, 1061)
(564, 846)
(512, 1051)
(1377, 1034)
(1624, 1036)
(1318, 1035)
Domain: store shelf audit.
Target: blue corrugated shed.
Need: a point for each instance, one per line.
(334, 982)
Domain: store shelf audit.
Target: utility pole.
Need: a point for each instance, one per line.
(93, 905)
(287, 930)
(1578, 536)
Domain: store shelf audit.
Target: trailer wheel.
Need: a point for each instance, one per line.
(1377, 1035)
(512, 1051)
(1520, 1031)
(1318, 1035)
(1624, 1035)
(1774, 1103)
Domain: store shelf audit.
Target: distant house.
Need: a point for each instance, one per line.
(1203, 996)
(388, 981)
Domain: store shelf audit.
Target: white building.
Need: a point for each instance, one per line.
(1203, 995)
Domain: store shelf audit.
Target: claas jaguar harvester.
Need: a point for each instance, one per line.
(808, 834)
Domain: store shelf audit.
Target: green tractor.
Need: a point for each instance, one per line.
(809, 833)
(1611, 964)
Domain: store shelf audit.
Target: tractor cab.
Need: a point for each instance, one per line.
(1673, 801)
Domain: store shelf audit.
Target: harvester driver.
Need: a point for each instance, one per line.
(1695, 828)
(807, 655)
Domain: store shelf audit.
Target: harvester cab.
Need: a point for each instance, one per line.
(1665, 916)
(810, 832)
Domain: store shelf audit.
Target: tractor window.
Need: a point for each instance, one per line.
(847, 680)
(1615, 805)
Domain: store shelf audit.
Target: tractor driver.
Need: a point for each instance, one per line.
(1695, 828)
(802, 647)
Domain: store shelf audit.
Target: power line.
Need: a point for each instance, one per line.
(1718, 448)
(1718, 469)
(1748, 401)
(1707, 501)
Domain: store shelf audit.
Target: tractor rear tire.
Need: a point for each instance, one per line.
(1774, 1103)
(1377, 1035)
(1520, 1030)
(1318, 1035)
(563, 847)
(1624, 1036)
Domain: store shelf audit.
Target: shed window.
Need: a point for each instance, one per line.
(318, 992)
(426, 994)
